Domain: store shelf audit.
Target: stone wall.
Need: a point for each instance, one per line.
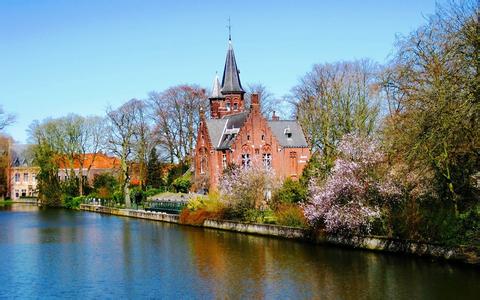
(375, 243)
(131, 213)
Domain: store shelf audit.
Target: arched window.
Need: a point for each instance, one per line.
(203, 165)
(245, 160)
(267, 160)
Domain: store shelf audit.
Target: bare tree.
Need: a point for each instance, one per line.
(144, 139)
(91, 142)
(5, 119)
(269, 103)
(176, 114)
(433, 83)
(122, 129)
(335, 99)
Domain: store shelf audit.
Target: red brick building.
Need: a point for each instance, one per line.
(235, 134)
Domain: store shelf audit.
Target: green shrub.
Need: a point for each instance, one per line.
(104, 185)
(154, 191)
(290, 215)
(137, 195)
(182, 184)
(70, 202)
(292, 191)
(118, 197)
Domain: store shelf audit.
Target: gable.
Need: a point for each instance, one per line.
(223, 131)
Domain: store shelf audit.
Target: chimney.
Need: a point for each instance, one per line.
(254, 99)
(255, 103)
(275, 117)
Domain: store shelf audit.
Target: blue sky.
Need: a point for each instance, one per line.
(58, 57)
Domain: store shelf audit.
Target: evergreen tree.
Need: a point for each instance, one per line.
(154, 170)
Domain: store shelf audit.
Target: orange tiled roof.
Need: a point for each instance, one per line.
(96, 161)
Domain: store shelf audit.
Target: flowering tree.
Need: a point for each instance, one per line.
(247, 188)
(349, 200)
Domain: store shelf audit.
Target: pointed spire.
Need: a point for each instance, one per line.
(231, 75)
(217, 88)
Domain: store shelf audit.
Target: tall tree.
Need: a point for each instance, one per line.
(122, 128)
(5, 119)
(154, 170)
(144, 139)
(336, 99)
(176, 114)
(5, 158)
(433, 85)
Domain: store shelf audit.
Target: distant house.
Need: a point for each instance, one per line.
(22, 173)
(243, 136)
(89, 166)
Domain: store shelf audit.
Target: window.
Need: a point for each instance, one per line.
(224, 161)
(245, 160)
(288, 132)
(263, 137)
(235, 106)
(203, 165)
(267, 160)
(257, 151)
(248, 137)
(16, 194)
(34, 177)
(17, 177)
(293, 163)
(228, 106)
(24, 193)
(25, 177)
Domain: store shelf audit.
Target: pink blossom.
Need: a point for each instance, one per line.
(348, 200)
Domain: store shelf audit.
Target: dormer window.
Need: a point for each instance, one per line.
(288, 132)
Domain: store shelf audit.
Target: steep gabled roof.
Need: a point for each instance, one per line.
(216, 88)
(223, 131)
(215, 130)
(289, 133)
(231, 75)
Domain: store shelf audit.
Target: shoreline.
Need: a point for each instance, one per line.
(463, 254)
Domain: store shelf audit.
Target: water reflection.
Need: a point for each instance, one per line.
(57, 253)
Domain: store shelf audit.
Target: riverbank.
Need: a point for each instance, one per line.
(467, 255)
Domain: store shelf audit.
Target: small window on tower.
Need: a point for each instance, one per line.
(235, 106)
(224, 161)
(228, 106)
(248, 137)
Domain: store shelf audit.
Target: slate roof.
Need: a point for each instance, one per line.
(223, 131)
(215, 130)
(20, 156)
(280, 128)
(216, 89)
(231, 76)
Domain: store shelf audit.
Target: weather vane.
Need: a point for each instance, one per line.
(229, 26)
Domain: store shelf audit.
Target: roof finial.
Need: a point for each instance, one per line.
(229, 26)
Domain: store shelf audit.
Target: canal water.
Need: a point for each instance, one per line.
(47, 253)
